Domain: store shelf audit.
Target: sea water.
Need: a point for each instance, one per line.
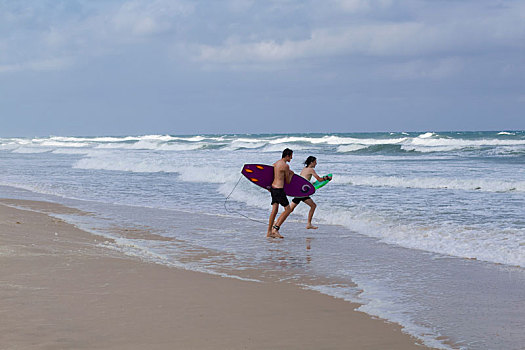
(423, 229)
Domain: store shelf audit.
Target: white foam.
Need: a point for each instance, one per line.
(71, 151)
(429, 149)
(41, 145)
(380, 301)
(122, 139)
(338, 140)
(493, 245)
(486, 185)
(41, 188)
(141, 249)
(280, 147)
(180, 147)
(208, 174)
(31, 149)
(350, 148)
(246, 140)
(371, 142)
(152, 145)
(430, 142)
(425, 143)
(243, 143)
(384, 303)
(90, 139)
(130, 162)
(246, 193)
(146, 142)
(157, 138)
(149, 162)
(52, 143)
(116, 146)
(9, 146)
(434, 142)
(506, 150)
(426, 135)
(292, 139)
(141, 144)
(503, 246)
(16, 140)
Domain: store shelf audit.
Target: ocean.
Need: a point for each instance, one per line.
(425, 229)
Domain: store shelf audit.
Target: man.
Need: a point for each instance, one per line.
(281, 174)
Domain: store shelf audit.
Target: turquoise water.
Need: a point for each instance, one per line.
(424, 229)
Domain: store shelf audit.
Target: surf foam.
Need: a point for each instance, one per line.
(485, 185)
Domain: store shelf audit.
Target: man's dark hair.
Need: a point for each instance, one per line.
(287, 152)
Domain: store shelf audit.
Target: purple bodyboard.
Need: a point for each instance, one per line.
(262, 175)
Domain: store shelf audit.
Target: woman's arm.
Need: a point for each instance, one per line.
(317, 177)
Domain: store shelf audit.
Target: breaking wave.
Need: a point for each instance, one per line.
(433, 183)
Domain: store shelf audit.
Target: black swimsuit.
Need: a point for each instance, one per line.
(278, 196)
(298, 200)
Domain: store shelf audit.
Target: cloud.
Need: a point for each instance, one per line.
(354, 6)
(52, 38)
(255, 35)
(376, 39)
(426, 34)
(239, 6)
(434, 69)
(146, 18)
(51, 64)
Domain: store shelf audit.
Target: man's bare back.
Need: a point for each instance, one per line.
(281, 173)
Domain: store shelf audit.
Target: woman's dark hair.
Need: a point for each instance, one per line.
(309, 160)
(287, 152)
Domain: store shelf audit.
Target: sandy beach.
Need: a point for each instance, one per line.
(61, 290)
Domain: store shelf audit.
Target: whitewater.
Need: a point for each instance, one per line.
(411, 224)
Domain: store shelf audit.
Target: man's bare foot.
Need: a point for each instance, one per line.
(275, 232)
(311, 227)
(275, 236)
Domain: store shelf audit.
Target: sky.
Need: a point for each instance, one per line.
(115, 67)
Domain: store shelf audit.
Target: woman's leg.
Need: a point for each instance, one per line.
(312, 205)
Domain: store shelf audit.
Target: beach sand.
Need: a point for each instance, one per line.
(59, 289)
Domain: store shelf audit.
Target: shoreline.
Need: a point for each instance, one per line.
(60, 289)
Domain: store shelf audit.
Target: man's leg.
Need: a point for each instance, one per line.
(280, 220)
(275, 209)
(312, 205)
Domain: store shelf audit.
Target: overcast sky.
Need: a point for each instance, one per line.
(108, 67)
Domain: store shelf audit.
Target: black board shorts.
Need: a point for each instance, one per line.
(278, 196)
(298, 200)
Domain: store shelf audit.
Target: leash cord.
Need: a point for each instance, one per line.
(237, 212)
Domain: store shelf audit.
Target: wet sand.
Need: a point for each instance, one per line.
(59, 289)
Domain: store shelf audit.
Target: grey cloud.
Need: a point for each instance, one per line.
(57, 32)
(253, 34)
(425, 34)
(148, 66)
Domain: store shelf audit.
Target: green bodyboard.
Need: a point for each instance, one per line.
(319, 184)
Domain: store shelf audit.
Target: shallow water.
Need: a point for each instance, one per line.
(400, 224)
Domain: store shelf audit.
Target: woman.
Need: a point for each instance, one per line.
(307, 173)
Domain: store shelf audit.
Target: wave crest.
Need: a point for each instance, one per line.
(432, 183)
